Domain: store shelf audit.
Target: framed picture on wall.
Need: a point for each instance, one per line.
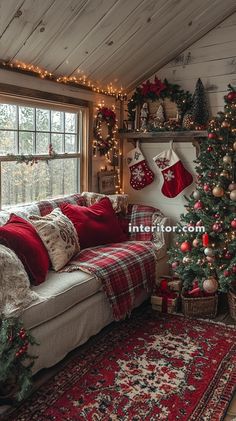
(107, 182)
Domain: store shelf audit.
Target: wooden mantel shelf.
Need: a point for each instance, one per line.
(153, 137)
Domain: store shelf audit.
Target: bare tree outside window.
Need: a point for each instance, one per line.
(28, 130)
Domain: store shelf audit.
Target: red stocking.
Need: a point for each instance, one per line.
(176, 177)
(140, 173)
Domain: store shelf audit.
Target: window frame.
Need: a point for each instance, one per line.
(82, 134)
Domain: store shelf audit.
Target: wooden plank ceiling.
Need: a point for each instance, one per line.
(118, 42)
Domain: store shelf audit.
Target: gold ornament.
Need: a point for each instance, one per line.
(195, 242)
(225, 174)
(234, 146)
(233, 195)
(210, 285)
(218, 191)
(225, 124)
(227, 159)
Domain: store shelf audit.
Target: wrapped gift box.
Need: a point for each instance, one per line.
(164, 304)
(164, 299)
(174, 283)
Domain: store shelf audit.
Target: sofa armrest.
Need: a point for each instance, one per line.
(139, 217)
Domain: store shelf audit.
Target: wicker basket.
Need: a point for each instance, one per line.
(232, 304)
(204, 307)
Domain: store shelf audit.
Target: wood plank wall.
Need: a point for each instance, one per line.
(213, 59)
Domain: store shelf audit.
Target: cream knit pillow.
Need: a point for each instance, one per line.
(15, 292)
(58, 235)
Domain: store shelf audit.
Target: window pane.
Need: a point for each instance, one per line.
(57, 121)
(8, 116)
(42, 143)
(57, 142)
(26, 143)
(70, 143)
(26, 118)
(70, 122)
(23, 183)
(8, 142)
(42, 120)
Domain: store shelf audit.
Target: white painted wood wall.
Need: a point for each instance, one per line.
(213, 59)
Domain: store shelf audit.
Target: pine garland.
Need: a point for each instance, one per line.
(16, 362)
(160, 90)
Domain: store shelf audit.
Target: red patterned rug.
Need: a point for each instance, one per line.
(146, 368)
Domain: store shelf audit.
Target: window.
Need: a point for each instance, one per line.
(40, 151)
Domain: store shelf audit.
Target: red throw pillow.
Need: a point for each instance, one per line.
(21, 237)
(96, 224)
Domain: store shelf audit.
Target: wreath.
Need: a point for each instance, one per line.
(104, 115)
(160, 90)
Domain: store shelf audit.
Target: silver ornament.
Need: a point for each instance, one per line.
(209, 252)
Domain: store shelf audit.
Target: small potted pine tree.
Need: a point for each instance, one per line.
(16, 362)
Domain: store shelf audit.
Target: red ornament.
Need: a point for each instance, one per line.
(212, 135)
(198, 205)
(217, 227)
(231, 96)
(210, 148)
(205, 239)
(217, 215)
(185, 247)
(174, 265)
(228, 255)
(233, 224)
(226, 273)
(234, 269)
(206, 188)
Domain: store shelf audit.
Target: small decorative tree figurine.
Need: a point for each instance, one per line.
(206, 262)
(199, 110)
(16, 363)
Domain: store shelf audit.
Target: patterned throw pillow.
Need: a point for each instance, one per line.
(58, 235)
(119, 201)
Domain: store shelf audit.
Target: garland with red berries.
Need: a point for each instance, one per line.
(15, 361)
(107, 116)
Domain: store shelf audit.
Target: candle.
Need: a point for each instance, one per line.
(205, 240)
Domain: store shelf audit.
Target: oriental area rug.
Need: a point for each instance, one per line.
(149, 367)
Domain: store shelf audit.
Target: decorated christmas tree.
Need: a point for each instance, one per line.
(206, 261)
(200, 113)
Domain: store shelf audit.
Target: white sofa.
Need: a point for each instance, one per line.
(72, 308)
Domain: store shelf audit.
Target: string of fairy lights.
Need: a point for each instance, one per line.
(79, 81)
(113, 153)
(107, 145)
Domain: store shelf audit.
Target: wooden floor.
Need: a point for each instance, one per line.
(44, 375)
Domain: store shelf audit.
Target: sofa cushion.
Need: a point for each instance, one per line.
(58, 235)
(119, 201)
(46, 206)
(15, 292)
(95, 225)
(21, 236)
(58, 293)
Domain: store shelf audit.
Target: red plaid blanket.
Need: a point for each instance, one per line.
(123, 268)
